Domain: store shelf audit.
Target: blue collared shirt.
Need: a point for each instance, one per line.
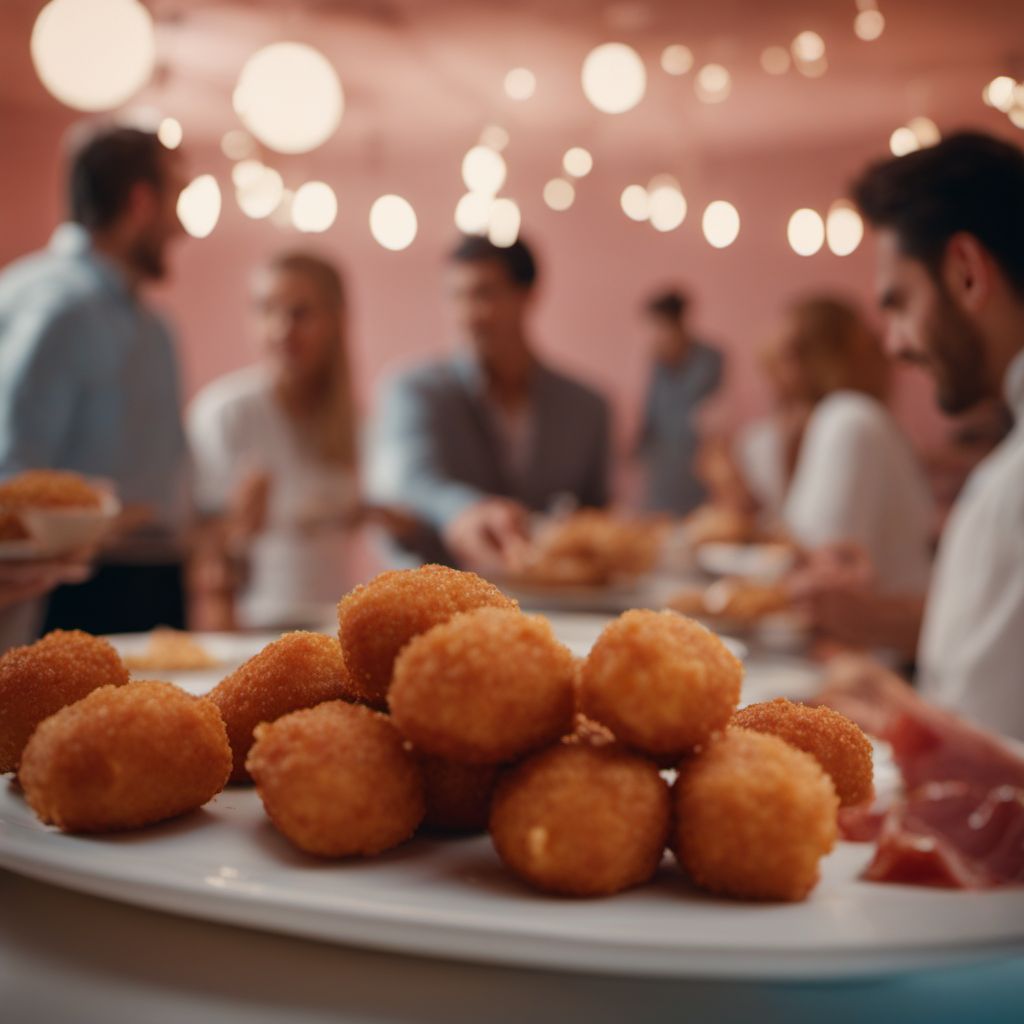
(88, 377)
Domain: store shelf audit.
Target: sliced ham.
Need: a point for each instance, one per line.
(960, 819)
(953, 834)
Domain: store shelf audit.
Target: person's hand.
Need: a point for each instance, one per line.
(489, 536)
(246, 515)
(25, 580)
(398, 522)
(835, 588)
(867, 692)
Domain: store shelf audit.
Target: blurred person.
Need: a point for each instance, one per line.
(851, 477)
(949, 224)
(275, 452)
(89, 379)
(22, 582)
(473, 442)
(685, 372)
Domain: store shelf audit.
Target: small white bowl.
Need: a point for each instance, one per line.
(763, 563)
(58, 531)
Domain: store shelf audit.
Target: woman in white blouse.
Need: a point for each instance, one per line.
(842, 470)
(274, 447)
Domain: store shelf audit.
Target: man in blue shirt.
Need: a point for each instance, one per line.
(88, 375)
(473, 442)
(685, 372)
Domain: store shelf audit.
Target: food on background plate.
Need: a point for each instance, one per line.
(458, 795)
(739, 601)
(662, 683)
(485, 687)
(124, 757)
(836, 743)
(337, 780)
(377, 620)
(48, 488)
(591, 548)
(41, 678)
(300, 670)
(753, 817)
(170, 650)
(582, 820)
(719, 523)
(11, 526)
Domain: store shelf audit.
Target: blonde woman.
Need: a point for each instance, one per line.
(274, 447)
(851, 475)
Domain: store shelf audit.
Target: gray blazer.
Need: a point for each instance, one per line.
(434, 447)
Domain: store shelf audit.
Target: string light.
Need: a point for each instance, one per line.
(93, 56)
(199, 206)
(559, 194)
(806, 232)
(578, 162)
(393, 222)
(721, 224)
(289, 96)
(614, 78)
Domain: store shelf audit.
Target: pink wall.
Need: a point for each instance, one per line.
(597, 265)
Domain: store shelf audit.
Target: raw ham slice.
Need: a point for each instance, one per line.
(953, 834)
(960, 820)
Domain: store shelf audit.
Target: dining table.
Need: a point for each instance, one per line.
(72, 956)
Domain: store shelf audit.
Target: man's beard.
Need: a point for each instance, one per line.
(147, 258)
(956, 357)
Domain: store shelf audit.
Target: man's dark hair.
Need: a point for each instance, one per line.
(668, 305)
(968, 182)
(104, 169)
(517, 259)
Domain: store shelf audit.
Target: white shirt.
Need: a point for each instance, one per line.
(971, 653)
(759, 451)
(857, 479)
(299, 565)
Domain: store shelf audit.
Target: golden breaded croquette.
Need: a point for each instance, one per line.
(753, 817)
(41, 678)
(300, 670)
(377, 620)
(837, 743)
(48, 488)
(458, 795)
(581, 820)
(337, 780)
(485, 687)
(124, 757)
(661, 682)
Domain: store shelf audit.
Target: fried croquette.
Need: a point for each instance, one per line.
(661, 682)
(124, 757)
(41, 678)
(48, 488)
(838, 744)
(377, 620)
(753, 817)
(581, 820)
(337, 780)
(485, 687)
(300, 670)
(458, 795)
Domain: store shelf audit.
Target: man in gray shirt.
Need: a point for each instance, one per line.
(473, 442)
(685, 372)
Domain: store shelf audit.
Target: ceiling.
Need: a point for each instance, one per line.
(423, 74)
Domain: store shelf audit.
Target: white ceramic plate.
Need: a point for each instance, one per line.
(450, 898)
